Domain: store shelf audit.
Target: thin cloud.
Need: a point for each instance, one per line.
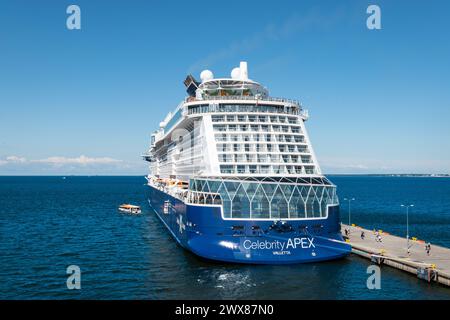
(291, 26)
(60, 161)
(81, 160)
(15, 159)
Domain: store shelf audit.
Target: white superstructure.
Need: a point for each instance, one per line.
(231, 127)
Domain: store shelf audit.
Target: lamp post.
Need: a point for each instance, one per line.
(349, 209)
(407, 206)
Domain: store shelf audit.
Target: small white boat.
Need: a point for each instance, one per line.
(129, 208)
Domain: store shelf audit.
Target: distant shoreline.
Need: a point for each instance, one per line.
(400, 175)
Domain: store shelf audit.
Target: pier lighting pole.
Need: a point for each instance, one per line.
(349, 209)
(407, 206)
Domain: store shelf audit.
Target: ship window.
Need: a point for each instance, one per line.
(219, 127)
(275, 158)
(251, 118)
(278, 205)
(230, 118)
(221, 137)
(226, 169)
(240, 168)
(227, 158)
(241, 118)
(262, 158)
(260, 205)
(177, 116)
(217, 118)
(262, 118)
(309, 170)
(306, 159)
(241, 205)
(265, 169)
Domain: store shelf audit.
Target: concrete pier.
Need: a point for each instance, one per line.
(392, 251)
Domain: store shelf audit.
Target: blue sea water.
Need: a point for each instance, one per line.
(49, 223)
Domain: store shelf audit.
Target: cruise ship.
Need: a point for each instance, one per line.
(234, 178)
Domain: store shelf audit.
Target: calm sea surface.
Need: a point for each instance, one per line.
(49, 223)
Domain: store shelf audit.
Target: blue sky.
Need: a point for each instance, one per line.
(85, 101)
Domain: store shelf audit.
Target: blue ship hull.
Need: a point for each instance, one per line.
(202, 230)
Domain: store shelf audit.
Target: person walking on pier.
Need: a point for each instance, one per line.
(428, 248)
(378, 237)
(362, 235)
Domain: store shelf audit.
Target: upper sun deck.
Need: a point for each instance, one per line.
(238, 89)
(235, 94)
(239, 85)
(226, 87)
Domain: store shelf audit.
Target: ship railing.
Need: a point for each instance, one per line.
(177, 192)
(259, 99)
(200, 197)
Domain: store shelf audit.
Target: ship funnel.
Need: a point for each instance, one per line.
(243, 70)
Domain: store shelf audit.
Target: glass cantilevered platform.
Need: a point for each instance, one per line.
(266, 198)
